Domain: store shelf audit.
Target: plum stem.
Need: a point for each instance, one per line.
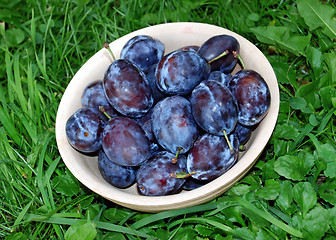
(102, 109)
(174, 160)
(228, 141)
(181, 174)
(238, 56)
(107, 46)
(242, 148)
(226, 52)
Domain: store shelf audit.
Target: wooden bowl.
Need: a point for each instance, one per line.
(174, 36)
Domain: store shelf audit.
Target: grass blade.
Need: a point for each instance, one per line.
(21, 215)
(99, 224)
(267, 216)
(172, 213)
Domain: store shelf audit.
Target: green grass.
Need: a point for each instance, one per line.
(290, 192)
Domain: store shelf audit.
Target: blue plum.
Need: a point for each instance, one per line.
(154, 176)
(150, 74)
(94, 96)
(214, 108)
(252, 95)
(125, 142)
(127, 89)
(211, 156)
(214, 47)
(143, 50)
(192, 183)
(243, 133)
(84, 129)
(220, 77)
(173, 124)
(117, 175)
(179, 72)
(190, 48)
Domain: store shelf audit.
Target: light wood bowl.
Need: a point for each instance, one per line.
(174, 36)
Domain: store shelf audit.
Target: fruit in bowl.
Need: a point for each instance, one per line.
(177, 105)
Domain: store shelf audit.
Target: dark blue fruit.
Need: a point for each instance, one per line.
(173, 124)
(84, 129)
(215, 46)
(243, 133)
(190, 47)
(220, 77)
(150, 74)
(125, 142)
(192, 183)
(214, 108)
(94, 96)
(127, 89)
(154, 176)
(252, 95)
(211, 156)
(146, 124)
(143, 50)
(118, 176)
(180, 72)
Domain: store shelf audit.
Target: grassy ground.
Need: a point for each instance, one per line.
(289, 194)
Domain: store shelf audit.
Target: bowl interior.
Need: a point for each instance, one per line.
(174, 36)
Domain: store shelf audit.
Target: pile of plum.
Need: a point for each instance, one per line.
(169, 122)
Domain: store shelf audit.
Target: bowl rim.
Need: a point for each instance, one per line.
(184, 199)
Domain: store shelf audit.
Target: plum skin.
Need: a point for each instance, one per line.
(84, 129)
(173, 124)
(252, 95)
(127, 89)
(154, 176)
(125, 142)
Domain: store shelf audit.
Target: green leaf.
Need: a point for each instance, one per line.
(326, 95)
(268, 170)
(269, 34)
(327, 191)
(305, 196)
(172, 213)
(263, 235)
(255, 218)
(81, 230)
(114, 236)
(239, 189)
(269, 217)
(270, 191)
(328, 153)
(316, 223)
(285, 73)
(14, 36)
(330, 59)
(203, 230)
(280, 147)
(285, 198)
(332, 214)
(282, 36)
(66, 184)
(318, 15)
(17, 236)
(286, 131)
(244, 233)
(294, 167)
(185, 234)
(297, 103)
(313, 120)
(115, 215)
(309, 93)
(315, 59)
